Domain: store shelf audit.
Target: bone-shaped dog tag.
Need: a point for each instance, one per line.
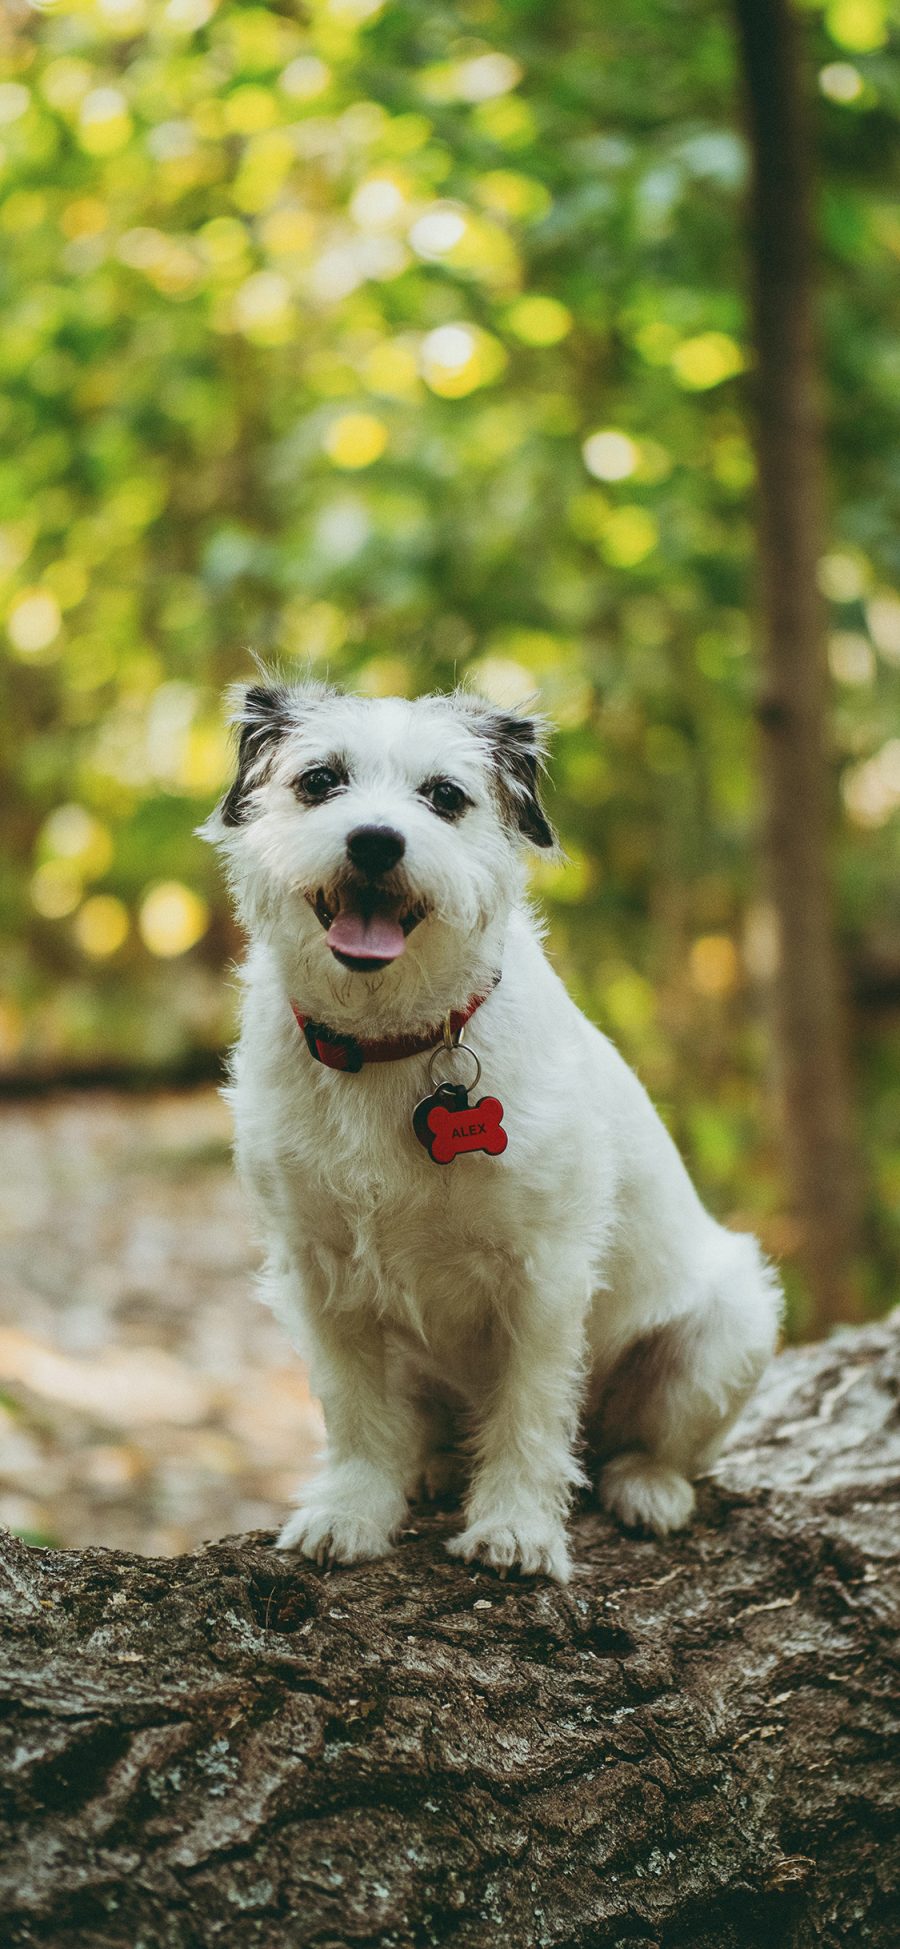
(447, 1125)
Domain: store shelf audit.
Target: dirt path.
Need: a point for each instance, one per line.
(146, 1401)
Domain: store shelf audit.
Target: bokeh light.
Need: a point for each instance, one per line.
(355, 440)
(34, 621)
(55, 889)
(537, 319)
(706, 360)
(74, 834)
(101, 926)
(841, 82)
(714, 964)
(172, 919)
(457, 358)
(610, 455)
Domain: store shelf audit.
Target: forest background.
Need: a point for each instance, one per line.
(412, 344)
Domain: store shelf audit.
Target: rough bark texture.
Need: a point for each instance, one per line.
(810, 1030)
(689, 1746)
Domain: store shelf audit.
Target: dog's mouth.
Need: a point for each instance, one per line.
(366, 927)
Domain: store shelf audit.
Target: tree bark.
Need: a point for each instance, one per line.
(690, 1747)
(809, 1024)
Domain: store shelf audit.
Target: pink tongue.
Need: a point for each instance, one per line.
(372, 937)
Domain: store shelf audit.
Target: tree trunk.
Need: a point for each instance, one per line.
(818, 1118)
(690, 1747)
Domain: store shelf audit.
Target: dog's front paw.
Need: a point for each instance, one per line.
(535, 1545)
(345, 1521)
(644, 1494)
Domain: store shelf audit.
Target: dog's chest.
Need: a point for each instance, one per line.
(368, 1191)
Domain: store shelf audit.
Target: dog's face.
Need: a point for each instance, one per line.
(380, 838)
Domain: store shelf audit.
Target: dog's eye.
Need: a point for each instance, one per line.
(318, 783)
(449, 801)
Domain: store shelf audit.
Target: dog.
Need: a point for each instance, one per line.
(532, 1267)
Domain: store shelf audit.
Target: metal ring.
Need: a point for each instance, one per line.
(457, 1049)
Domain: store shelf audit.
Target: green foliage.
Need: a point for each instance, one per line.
(408, 342)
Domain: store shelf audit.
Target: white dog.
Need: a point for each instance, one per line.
(569, 1280)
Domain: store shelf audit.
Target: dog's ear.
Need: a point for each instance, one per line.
(262, 716)
(518, 745)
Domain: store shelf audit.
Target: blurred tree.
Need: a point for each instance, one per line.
(819, 1120)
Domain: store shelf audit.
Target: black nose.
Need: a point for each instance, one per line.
(375, 849)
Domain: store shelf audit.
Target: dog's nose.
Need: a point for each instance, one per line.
(375, 849)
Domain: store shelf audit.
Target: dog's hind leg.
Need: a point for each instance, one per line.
(664, 1410)
(441, 1467)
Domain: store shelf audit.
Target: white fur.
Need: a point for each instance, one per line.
(517, 1286)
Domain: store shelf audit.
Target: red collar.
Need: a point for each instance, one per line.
(346, 1052)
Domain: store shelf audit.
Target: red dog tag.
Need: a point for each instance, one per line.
(447, 1125)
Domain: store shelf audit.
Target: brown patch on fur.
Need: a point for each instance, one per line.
(620, 1414)
(517, 750)
(264, 720)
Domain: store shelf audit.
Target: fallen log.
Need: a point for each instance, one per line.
(693, 1746)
